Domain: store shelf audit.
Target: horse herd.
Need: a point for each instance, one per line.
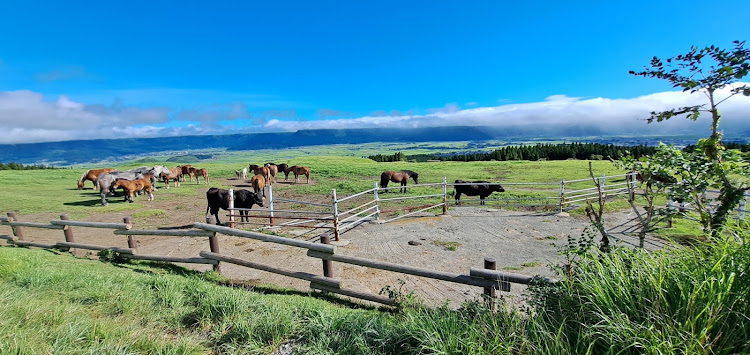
(143, 180)
(139, 180)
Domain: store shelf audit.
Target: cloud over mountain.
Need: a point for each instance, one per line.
(28, 117)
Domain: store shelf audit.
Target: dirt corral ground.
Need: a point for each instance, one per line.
(520, 241)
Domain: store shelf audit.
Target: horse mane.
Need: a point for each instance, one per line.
(84, 175)
(408, 172)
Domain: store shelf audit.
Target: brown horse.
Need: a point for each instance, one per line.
(91, 175)
(272, 171)
(262, 170)
(174, 174)
(185, 171)
(259, 183)
(131, 187)
(198, 173)
(398, 176)
(300, 170)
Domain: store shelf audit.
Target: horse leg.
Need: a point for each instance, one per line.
(104, 199)
(403, 186)
(458, 198)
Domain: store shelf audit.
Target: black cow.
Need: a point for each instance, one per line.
(219, 199)
(481, 188)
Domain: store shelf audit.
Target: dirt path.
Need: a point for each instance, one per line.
(521, 242)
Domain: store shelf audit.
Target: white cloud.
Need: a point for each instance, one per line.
(27, 117)
(604, 114)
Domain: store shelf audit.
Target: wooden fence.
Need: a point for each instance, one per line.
(343, 214)
(487, 278)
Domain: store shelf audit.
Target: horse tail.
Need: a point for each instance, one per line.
(384, 179)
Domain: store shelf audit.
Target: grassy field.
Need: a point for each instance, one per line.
(687, 300)
(32, 191)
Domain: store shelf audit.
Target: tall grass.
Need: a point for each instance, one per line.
(682, 300)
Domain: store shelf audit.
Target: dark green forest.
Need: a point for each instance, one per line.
(545, 151)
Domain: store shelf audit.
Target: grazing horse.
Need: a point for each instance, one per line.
(185, 171)
(252, 167)
(300, 170)
(131, 187)
(272, 171)
(172, 174)
(105, 182)
(481, 188)
(284, 168)
(198, 173)
(401, 176)
(259, 183)
(91, 175)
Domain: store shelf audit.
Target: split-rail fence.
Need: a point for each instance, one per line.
(487, 278)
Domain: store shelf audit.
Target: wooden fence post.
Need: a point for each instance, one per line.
(490, 292)
(17, 231)
(131, 240)
(630, 178)
(335, 215)
(231, 208)
(68, 230)
(213, 242)
(270, 204)
(669, 217)
(327, 264)
(445, 195)
(562, 194)
(377, 201)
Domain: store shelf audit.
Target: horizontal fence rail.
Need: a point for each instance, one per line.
(489, 279)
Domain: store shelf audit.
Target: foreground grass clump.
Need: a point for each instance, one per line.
(688, 300)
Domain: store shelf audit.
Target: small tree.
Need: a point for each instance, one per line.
(707, 70)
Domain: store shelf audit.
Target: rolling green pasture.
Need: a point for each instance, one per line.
(33, 191)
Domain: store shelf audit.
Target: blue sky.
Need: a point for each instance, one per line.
(72, 70)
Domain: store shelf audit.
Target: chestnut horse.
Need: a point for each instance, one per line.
(185, 171)
(299, 170)
(131, 187)
(91, 175)
(272, 171)
(398, 176)
(197, 173)
(259, 184)
(262, 170)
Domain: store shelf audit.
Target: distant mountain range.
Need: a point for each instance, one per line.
(92, 151)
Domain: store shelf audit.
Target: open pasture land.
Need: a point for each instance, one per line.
(520, 240)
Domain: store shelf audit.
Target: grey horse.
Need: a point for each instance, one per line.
(105, 181)
(155, 170)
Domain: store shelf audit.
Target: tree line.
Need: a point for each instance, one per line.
(542, 151)
(17, 166)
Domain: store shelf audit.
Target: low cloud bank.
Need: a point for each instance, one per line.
(28, 118)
